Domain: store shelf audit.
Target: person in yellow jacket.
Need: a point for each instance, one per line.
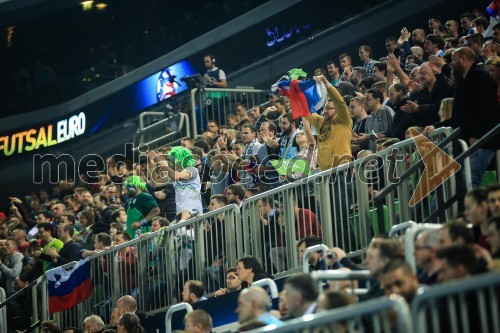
(334, 129)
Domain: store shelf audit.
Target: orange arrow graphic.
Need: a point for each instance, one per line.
(439, 166)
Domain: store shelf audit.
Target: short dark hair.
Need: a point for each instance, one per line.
(459, 255)
(310, 240)
(454, 41)
(252, 128)
(272, 126)
(388, 248)
(102, 198)
(250, 262)
(400, 88)
(213, 121)
(231, 270)
(459, 230)
(345, 55)
(436, 18)
(481, 21)
(116, 213)
(125, 235)
(47, 226)
(475, 38)
(367, 82)
(238, 190)
(104, 238)
(47, 214)
(222, 199)
(391, 39)
(435, 39)
(331, 62)
(376, 94)
(468, 15)
(381, 66)
(478, 194)
(289, 117)
(396, 264)
(367, 49)
(305, 285)
(493, 187)
(69, 229)
(360, 70)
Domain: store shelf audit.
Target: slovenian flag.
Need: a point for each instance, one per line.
(67, 288)
(306, 97)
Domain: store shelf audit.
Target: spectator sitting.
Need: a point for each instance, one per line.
(254, 305)
(128, 304)
(198, 321)
(315, 260)
(476, 212)
(250, 270)
(426, 247)
(93, 324)
(193, 292)
(455, 233)
(233, 283)
(494, 199)
(458, 262)
(493, 236)
(129, 323)
(301, 294)
(397, 277)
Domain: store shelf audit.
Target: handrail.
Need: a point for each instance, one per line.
(175, 308)
(16, 294)
(346, 313)
(3, 311)
(268, 283)
(307, 253)
(479, 143)
(147, 113)
(487, 280)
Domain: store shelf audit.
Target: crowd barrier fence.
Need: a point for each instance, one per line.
(167, 131)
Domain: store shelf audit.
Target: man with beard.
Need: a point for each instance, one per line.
(358, 74)
(334, 128)
(235, 194)
(475, 109)
(288, 146)
(141, 206)
(402, 120)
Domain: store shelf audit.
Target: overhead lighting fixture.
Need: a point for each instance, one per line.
(101, 6)
(87, 4)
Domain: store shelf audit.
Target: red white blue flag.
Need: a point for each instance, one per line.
(306, 97)
(67, 288)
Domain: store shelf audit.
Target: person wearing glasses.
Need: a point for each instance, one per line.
(233, 283)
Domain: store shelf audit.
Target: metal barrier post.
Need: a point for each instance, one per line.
(289, 217)
(307, 253)
(339, 275)
(3, 311)
(171, 311)
(268, 283)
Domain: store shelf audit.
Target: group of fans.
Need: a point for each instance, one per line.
(449, 76)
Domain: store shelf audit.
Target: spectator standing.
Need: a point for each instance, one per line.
(11, 265)
(142, 206)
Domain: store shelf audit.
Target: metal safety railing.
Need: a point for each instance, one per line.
(173, 309)
(217, 104)
(167, 131)
(410, 230)
(467, 305)
(378, 315)
(335, 277)
(154, 268)
(3, 311)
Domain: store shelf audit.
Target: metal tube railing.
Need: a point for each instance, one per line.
(3, 311)
(378, 315)
(270, 284)
(307, 253)
(175, 308)
(473, 294)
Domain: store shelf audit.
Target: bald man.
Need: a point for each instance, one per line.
(254, 305)
(128, 304)
(425, 109)
(475, 109)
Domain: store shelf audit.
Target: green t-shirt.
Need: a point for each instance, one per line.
(55, 243)
(138, 208)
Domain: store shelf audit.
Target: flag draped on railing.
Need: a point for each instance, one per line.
(67, 288)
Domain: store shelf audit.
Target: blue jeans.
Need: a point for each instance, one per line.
(479, 161)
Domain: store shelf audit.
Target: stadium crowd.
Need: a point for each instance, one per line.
(447, 74)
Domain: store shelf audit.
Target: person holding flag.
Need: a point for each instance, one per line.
(334, 127)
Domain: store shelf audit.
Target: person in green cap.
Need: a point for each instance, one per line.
(184, 176)
(142, 206)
